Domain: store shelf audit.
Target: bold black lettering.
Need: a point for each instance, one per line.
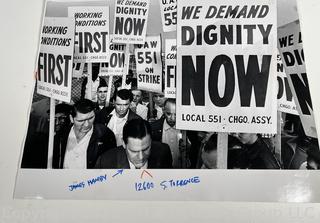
(119, 26)
(288, 90)
(254, 78)
(288, 58)
(249, 29)
(283, 41)
(302, 91)
(87, 42)
(265, 33)
(51, 67)
(128, 26)
(193, 80)
(199, 37)
(186, 12)
(40, 66)
(211, 12)
(59, 61)
(213, 82)
(239, 34)
(96, 37)
(280, 67)
(264, 11)
(171, 75)
(138, 26)
(208, 38)
(280, 88)
(226, 34)
(184, 31)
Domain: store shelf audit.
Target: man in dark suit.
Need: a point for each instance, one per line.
(116, 117)
(138, 151)
(79, 146)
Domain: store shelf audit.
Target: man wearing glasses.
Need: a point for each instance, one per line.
(82, 143)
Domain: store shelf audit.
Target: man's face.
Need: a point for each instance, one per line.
(121, 107)
(83, 122)
(136, 96)
(102, 94)
(159, 99)
(209, 159)
(60, 121)
(170, 113)
(138, 150)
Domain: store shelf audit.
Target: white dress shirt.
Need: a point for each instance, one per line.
(76, 152)
(142, 111)
(171, 136)
(116, 125)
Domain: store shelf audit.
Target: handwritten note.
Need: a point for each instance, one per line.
(88, 182)
(166, 184)
(141, 185)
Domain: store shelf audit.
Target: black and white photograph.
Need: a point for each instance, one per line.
(193, 89)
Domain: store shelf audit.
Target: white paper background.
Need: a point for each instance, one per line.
(26, 18)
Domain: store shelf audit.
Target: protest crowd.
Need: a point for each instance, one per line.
(128, 120)
(136, 129)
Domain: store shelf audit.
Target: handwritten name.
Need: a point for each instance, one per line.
(88, 183)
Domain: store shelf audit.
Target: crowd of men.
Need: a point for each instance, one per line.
(126, 133)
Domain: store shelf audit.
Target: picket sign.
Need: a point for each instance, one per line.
(150, 104)
(109, 88)
(51, 132)
(278, 136)
(89, 82)
(222, 150)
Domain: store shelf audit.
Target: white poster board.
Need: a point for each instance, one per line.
(291, 49)
(226, 76)
(78, 70)
(170, 68)
(285, 97)
(55, 58)
(149, 65)
(92, 33)
(130, 21)
(118, 60)
(168, 15)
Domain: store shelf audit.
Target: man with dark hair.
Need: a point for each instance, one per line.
(115, 117)
(256, 153)
(81, 144)
(155, 110)
(138, 150)
(164, 130)
(102, 92)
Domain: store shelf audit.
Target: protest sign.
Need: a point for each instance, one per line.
(285, 98)
(226, 66)
(168, 15)
(77, 70)
(149, 65)
(170, 68)
(55, 58)
(130, 21)
(92, 33)
(291, 49)
(119, 57)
